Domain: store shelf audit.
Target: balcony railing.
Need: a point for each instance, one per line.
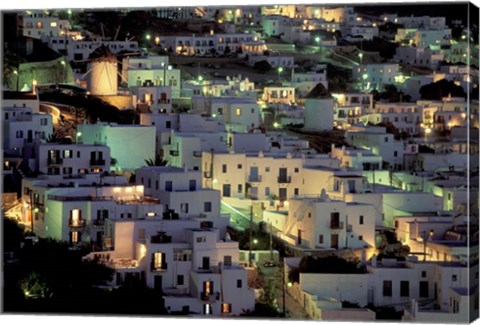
(174, 153)
(159, 268)
(161, 238)
(99, 222)
(211, 297)
(97, 162)
(284, 179)
(76, 223)
(336, 225)
(55, 161)
(254, 178)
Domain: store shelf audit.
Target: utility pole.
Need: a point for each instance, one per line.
(251, 235)
(271, 243)
(283, 287)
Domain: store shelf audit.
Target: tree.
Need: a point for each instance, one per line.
(262, 66)
(13, 235)
(227, 50)
(157, 161)
(440, 89)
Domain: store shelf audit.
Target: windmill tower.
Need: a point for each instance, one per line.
(102, 70)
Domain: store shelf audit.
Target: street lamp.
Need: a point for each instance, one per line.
(15, 72)
(427, 132)
(280, 70)
(317, 39)
(360, 55)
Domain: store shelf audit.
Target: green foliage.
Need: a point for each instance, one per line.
(440, 89)
(328, 264)
(263, 311)
(385, 48)
(390, 94)
(262, 66)
(13, 235)
(35, 286)
(158, 161)
(62, 268)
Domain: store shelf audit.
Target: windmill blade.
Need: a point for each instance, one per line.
(116, 34)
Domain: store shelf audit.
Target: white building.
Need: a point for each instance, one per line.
(139, 139)
(78, 48)
(40, 25)
(275, 60)
(22, 126)
(156, 99)
(152, 71)
(180, 190)
(319, 114)
(376, 75)
(323, 223)
(405, 117)
(238, 114)
(420, 57)
(274, 95)
(356, 158)
(426, 22)
(190, 260)
(379, 142)
(432, 38)
(306, 81)
(70, 159)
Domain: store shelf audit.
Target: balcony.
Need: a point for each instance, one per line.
(161, 238)
(76, 223)
(336, 225)
(55, 161)
(174, 153)
(97, 162)
(159, 268)
(254, 178)
(99, 222)
(210, 297)
(284, 179)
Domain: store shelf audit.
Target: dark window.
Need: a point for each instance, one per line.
(239, 283)
(239, 166)
(207, 207)
(360, 237)
(296, 170)
(295, 191)
(454, 277)
(179, 280)
(320, 239)
(168, 186)
(224, 168)
(423, 289)
(404, 289)
(387, 288)
(424, 274)
(360, 221)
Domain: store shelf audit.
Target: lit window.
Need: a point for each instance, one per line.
(39, 25)
(159, 261)
(238, 111)
(226, 308)
(53, 24)
(74, 237)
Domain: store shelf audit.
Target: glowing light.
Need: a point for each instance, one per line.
(317, 39)
(15, 72)
(148, 37)
(215, 181)
(35, 210)
(139, 188)
(117, 189)
(428, 130)
(151, 214)
(280, 69)
(214, 115)
(255, 241)
(365, 76)
(157, 40)
(276, 125)
(360, 55)
(289, 284)
(62, 62)
(79, 134)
